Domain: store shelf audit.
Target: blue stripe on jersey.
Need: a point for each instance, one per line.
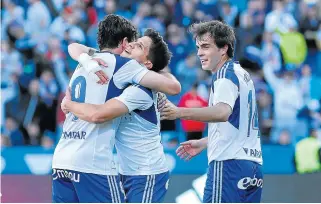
(113, 91)
(227, 72)
(230, 74)
(150, 113)
(234, 118)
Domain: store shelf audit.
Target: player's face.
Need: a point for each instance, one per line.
(138, 50)
(209, 54)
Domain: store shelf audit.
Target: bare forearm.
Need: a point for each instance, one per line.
(83, 111)
(76, 49)
(97, 113)
(207, 114)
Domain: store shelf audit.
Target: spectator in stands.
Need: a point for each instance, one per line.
(285, 90)
(228, 13)
(284, 137)
(310, 84)
(278, 19)
(246, 34)
(47, 140)
(33, 131)
(11, 68)
(191, 99)
(309, 27)
(38, 22)
(270, 52)
(264, 102)
(11, 12)
(308, 154)
(256, 11)
(48, 88)
(177, 44)
(14, 134)
(187, 72)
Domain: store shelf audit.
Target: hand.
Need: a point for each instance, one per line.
(65, 100)
(189, 149)
(103, 79)
(170, 111)
(161, 101)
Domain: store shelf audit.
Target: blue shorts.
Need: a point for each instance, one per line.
(76, 187)
(145, 188)
(233, 181)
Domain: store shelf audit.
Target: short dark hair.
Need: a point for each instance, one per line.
(221, 33)
(159, 53)
(113, 29)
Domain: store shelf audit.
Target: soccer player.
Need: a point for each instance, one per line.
(83, 166)
(142, 166)
(233, 142)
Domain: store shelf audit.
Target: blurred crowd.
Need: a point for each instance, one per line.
(278, 42)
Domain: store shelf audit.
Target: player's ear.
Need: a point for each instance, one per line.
(224, 50)
(124, 43)
(148, 64)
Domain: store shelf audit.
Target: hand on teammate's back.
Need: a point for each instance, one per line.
(170, 111)
(161, 101)
(189, 149)
(103, 79)
(64, 100)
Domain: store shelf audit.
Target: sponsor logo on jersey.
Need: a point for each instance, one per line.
(74, 135)
(253, 152)
(59, 173)
(247, 182)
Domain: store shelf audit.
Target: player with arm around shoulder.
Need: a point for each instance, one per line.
(83, 165)
(142, 166)
(233, 143)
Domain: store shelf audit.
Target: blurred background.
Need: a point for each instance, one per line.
(278, 43)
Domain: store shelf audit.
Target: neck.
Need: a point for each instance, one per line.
(221, 63)
(113, 50)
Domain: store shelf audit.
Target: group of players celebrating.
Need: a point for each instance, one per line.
(116, 98)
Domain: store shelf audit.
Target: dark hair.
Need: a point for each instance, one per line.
(221, 33)
(113, 29)
(159, 53)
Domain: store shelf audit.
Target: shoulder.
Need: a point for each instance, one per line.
(227, 72)
(141, 90)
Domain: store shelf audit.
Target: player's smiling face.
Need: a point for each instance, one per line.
(209, 54)
(138, 50)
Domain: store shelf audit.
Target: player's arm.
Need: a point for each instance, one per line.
(76, 49)
(113, 108)
(163, 82)
(270, 76)
(225, 95)
(95, 113)
(83, 55)
(191, 148)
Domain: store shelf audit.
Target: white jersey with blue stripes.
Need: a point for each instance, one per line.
(88, 147)
(138, 140)
(239, 137)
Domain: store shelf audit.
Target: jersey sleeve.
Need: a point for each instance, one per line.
(226, 90)
(130, 73)
(135, 98)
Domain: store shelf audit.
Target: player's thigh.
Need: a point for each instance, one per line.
(221, 184)
(160, 187)
(98, 188)
(242, 181)
(208, 190)
(146, 189)
(63, 190)
(254, 189)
